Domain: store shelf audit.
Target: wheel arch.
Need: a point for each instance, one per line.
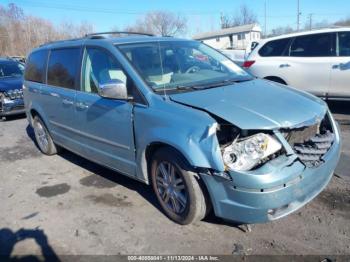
(33, 113)
(149, 152)
(276, 79)
(37, 111)
(155, 146)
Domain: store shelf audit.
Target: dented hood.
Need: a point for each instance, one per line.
(257, 104)
(10, 83)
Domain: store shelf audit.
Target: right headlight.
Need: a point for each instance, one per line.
(246, 153)
(10, 94)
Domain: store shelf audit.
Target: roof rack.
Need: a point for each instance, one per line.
(96, 36)
(99, 35)
(60, 41)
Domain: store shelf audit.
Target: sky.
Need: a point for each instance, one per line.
(202, 15)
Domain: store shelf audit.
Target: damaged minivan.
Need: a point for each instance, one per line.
(183, 118)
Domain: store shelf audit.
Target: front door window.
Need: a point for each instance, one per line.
(99, 67)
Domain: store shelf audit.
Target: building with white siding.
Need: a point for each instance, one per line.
(238, 37)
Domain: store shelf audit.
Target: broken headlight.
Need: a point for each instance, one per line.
(14, 94)
(244, 154)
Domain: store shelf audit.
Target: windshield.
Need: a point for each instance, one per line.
(11, 69)
(173, 65)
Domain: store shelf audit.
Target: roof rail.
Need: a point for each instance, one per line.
(99, 35)
(60, 41)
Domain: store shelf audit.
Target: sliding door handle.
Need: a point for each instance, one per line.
(54, 94)
(67, 102)
(284, 65)
(335, 66)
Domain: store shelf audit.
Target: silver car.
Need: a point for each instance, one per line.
(316, 61)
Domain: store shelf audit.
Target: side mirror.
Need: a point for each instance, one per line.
(113, 89)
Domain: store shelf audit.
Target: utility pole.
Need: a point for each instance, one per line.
(265, 27)
(310, 20)
(298, 16)
(222, 20)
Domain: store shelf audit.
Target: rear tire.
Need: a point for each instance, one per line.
(43, 137)
(177, 188)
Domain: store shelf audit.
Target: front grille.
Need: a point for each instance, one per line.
(311, 152)
(1, 101)
(300, 135)
(312, 142)
(19, 107)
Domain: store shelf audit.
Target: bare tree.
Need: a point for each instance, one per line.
(281, 30)
(244, 16)
(343, 22)
(160, 23)
(68, 29)
(12, 12)
(317, 25)
(20, 33)
(225, 21)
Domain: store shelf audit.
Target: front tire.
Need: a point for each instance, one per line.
(177, 188)
(43, 137)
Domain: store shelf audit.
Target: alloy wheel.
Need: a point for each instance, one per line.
(41, 136)
(171, 187)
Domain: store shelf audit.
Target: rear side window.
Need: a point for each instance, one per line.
(35, 66)
(344, 43)
(312, 45)
(63, 67)
(274, 48)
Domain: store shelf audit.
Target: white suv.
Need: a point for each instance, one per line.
(315, 61)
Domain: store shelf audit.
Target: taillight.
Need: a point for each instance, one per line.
(248, 63)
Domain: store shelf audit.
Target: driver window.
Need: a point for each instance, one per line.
(100, 67)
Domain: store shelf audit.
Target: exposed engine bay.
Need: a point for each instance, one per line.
(244, 150)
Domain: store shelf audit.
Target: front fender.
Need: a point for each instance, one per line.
(183, 128)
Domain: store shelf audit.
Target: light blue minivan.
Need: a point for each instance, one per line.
(182, 117)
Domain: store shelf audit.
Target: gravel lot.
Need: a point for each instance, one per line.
(65, 204)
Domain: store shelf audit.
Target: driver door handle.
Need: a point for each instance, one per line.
(82, 106)
(284, 65)
(341, 66)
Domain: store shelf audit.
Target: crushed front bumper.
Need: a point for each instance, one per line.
(275, 191)
(11, 107)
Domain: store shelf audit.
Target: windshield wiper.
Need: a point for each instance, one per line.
(181, 87)
(223, 83)
(202, 86)
(178, 87)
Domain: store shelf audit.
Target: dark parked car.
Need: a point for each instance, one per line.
(11, 94)
(20, 59)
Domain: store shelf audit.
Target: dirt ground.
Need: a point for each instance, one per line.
(65, 204)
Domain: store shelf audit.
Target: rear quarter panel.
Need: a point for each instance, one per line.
(32, 100)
